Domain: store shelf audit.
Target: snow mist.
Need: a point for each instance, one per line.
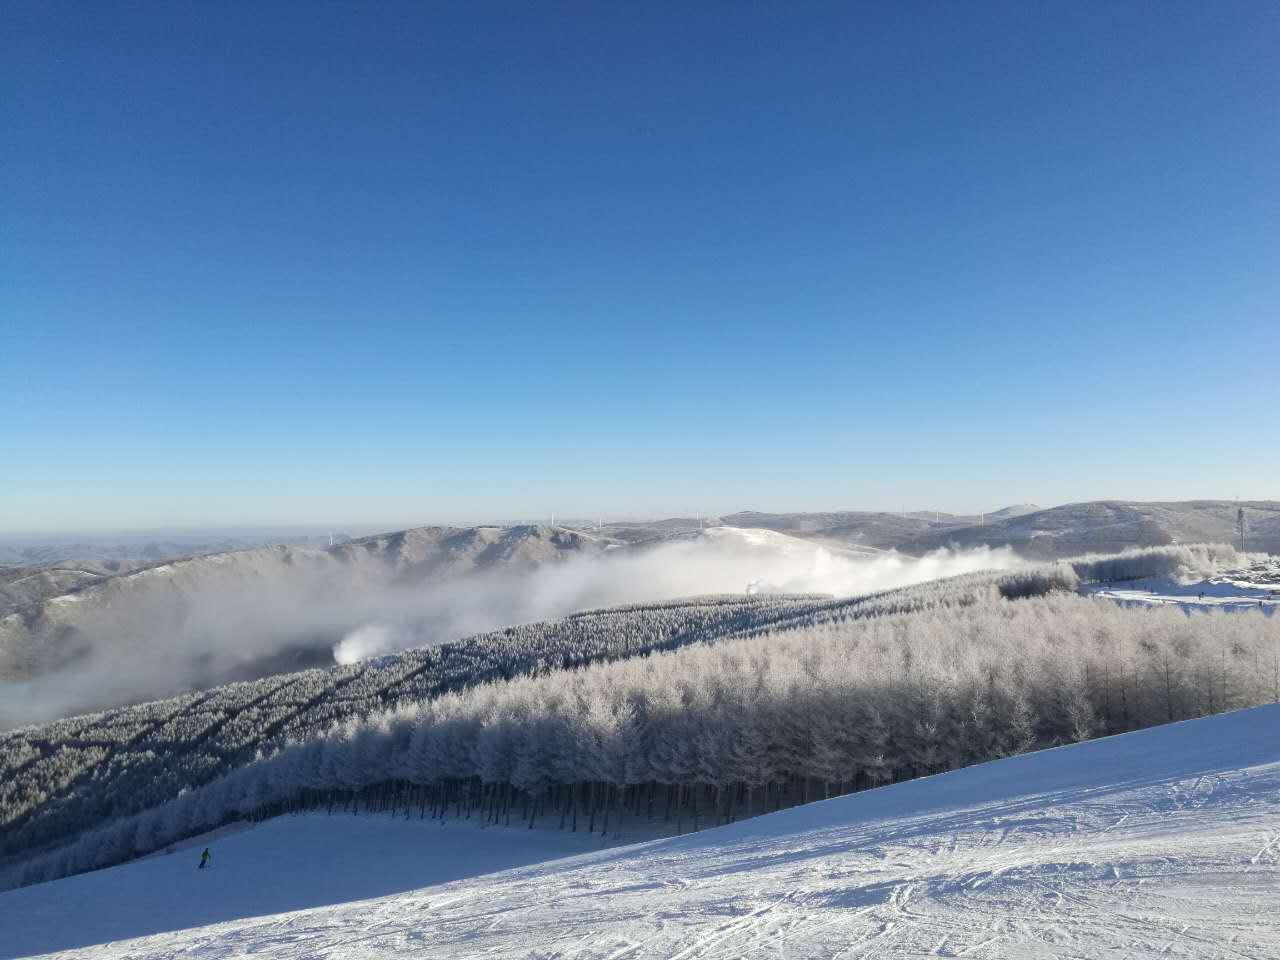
(145, 648)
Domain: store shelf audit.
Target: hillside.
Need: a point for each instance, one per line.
(1103, 526)
(120, 551)
(762, 540)
(405, 556)
(863, 530)
(296, 602)
(1107, 526)
(26, 587)
(1152, 844)
(877, 530)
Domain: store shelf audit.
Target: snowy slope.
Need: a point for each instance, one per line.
(1159, 843)
(287, 864)
(1255, 587)
(1235, 597)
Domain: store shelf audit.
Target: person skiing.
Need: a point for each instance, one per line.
(204, 859)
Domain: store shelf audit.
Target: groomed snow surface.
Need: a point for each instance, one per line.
(1163, 843)
(1234, 595)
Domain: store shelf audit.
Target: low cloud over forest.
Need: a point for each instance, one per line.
(224, 620)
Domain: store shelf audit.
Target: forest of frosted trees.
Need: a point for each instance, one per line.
(60, 778)
(829, 697)
(68, 776)
(1190, 560)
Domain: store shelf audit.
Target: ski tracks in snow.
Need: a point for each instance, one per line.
(1181, 869)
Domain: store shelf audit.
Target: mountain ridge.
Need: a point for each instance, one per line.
(1038, 533)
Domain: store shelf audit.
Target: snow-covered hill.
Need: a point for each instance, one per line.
(86, 640)
(1255, 586)
(1107, 526)
(1192, 596)
(1162, 843)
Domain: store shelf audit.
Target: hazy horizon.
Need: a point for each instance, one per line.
(373, 527)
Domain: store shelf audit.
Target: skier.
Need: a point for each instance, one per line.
(204, 859)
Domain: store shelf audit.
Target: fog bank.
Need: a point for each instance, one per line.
(200, 633)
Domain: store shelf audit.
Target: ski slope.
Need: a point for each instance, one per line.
(1162, 843)
(1231, 595)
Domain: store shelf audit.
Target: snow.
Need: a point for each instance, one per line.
(1162, 843)
(760, 538)
(164, 568)
(68, 598)
(1228, 593)
(288, 864)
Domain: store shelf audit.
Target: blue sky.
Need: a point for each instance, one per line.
(395, 263)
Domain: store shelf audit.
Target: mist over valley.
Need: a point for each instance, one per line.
(82, 634)
(196, 622)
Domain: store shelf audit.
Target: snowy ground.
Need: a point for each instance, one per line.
(1164, 843)
(288, 864)
(1232, 593)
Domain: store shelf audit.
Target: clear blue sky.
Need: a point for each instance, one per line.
(391, 263)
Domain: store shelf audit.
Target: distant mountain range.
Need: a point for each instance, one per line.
(1106, 526)
(122, 552)
(879, 530)
(1102, 526)
(53, 597)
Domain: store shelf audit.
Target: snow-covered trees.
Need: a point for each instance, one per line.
(1173, 561)
(720, 730)
(61, 778)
